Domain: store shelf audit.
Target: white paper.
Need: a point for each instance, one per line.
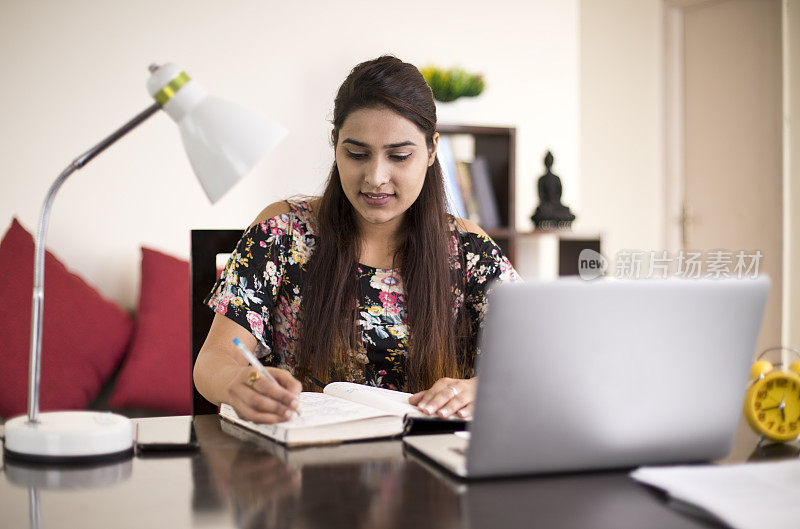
(745, 496)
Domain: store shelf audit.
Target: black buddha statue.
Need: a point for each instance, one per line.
(551, 213)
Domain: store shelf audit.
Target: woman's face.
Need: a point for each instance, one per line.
(382, 159)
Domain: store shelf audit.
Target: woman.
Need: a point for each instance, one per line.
(373, 282)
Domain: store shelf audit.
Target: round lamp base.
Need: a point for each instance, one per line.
(69, 437)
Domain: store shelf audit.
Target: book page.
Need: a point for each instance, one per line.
(393, 402)
(317, 409)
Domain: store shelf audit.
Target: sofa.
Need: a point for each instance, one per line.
(95, 354)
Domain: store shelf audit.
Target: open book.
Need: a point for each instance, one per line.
(321, 454)
(347, 412)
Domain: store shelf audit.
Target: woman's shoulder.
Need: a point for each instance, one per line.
(469, 235)
(273, 211)
(299, 211)
(484, 257)
(467, 226)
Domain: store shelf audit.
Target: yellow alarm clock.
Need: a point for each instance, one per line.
(772, 401)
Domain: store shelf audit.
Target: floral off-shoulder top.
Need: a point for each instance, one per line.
(260, 290)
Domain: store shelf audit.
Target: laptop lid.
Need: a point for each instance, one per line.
(578, 375)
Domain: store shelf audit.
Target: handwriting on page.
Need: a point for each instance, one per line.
(317, 409)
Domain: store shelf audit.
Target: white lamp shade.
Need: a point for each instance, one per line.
(223, 140)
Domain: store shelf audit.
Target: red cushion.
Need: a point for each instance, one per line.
(85, 336)
(157, 371)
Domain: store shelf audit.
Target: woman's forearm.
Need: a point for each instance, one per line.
(213, 373)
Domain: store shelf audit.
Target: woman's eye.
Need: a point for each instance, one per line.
(363, 155)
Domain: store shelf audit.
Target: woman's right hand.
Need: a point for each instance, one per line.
(264, 401)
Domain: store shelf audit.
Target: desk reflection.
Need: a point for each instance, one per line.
(240, 479)
(775, 451)
(355, 485)
(36, 478)
(378, 484)
(600, 500)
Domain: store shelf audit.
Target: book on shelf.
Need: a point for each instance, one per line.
(484, 193)
(348, 412)
(452, 190)
(468, 183)
(467, 191)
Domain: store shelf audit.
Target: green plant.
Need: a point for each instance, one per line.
(449, 85)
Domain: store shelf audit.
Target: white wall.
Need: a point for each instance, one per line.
(791, 139)
(621, 123)
(75, 71)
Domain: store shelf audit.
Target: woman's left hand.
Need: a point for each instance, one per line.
(447, 396)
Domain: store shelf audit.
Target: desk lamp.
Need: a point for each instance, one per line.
(223, 143)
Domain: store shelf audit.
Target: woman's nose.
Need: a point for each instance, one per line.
(376, 174)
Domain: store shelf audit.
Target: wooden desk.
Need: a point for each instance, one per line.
(247, 481)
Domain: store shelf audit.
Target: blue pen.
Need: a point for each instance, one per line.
(253, 361)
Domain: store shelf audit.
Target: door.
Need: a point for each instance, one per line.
(724, 104)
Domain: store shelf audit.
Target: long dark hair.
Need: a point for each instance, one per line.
(329, 340)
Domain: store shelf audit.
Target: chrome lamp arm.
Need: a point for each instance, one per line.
(34, 373)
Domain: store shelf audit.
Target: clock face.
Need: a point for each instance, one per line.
(772, 406)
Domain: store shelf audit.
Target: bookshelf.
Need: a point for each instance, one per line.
(498, 146)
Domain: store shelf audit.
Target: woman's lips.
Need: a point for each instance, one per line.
(376, 199)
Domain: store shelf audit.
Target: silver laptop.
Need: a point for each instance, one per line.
(580, 375)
